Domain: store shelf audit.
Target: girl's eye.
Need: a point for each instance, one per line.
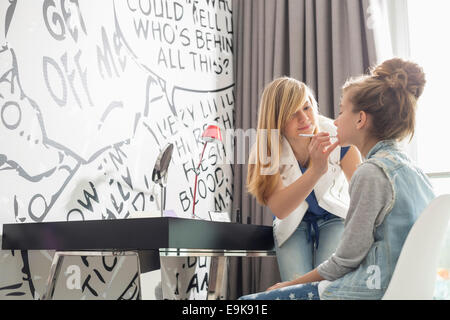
(306, 108)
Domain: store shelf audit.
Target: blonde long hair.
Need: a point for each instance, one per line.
(279, 101)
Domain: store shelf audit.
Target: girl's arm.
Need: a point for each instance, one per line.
(371, 196)
(284, 200)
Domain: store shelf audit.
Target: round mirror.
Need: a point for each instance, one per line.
(159, 175)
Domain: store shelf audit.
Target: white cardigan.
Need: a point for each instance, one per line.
(331, 190)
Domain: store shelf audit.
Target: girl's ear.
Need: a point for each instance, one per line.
(362, 121)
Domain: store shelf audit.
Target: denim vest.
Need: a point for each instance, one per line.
(412, 192)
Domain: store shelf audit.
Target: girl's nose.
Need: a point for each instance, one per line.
(302, 116)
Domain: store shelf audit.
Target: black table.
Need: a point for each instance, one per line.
(148, 238)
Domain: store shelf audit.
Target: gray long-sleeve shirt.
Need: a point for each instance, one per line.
(370, 195)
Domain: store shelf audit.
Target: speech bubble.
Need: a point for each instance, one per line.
(183, 43)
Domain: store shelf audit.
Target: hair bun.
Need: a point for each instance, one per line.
(401, 74)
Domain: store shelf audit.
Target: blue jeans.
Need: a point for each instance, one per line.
(307, 291)
(297, 256)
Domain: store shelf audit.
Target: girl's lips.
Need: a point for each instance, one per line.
(305, 128)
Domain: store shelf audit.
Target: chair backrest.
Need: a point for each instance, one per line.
(415, 273)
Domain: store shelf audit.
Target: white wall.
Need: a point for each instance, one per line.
(90, 92)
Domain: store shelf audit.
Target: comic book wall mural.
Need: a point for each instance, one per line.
(90, 93)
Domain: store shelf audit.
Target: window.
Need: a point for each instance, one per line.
(428, 26)
(429, 46)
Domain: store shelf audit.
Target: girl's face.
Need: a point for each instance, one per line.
(302, 121)
(347, 121)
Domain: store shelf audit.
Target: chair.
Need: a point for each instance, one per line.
(415, 273)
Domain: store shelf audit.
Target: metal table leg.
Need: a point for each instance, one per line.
(217, 276)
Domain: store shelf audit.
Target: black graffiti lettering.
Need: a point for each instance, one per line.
(118, 208)
(206, 19)
(68, 16)
(227, 120)
(83, 76)
(37, 208)
(216, 175)
(118, 48)
(136, 207)
(228, 194)
(229, 25)
(204, 62)
(86, 285)
(71, 212)
(61, 100)
(161, 131)
(11, 105)
(189, 169)
(177, 292)
(219, 203)
(124, 196)
(100, 277)
(191, 112)
(74, 75)
(222, 4)
(210, 177)
(141, 29)
(88, 197)
(191, 261)
(16, 210)
(132, 9)
(197, 134)
(56, 19)
(180, 145)
(108, 267)
(168, 33)
(205, 114)
(127, 180)
(109, 215)
(161, 9)
(171, 121)
(184, 36)
(27, 272)
(85, 261)
(131, 285)
(202, 262)
(13, 287)
(105, 59)
(156, 31)
(205, 282)
(170, 60)
(185, 201)
(193, 283)
(201, 189)
(212, 41)
(117, 157)
(213, 155)
(71, 77)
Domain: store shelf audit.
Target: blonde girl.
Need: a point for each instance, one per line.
(304, 185)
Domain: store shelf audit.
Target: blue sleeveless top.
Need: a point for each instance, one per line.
(315, 212)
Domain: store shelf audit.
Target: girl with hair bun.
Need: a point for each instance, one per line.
(387, 191)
